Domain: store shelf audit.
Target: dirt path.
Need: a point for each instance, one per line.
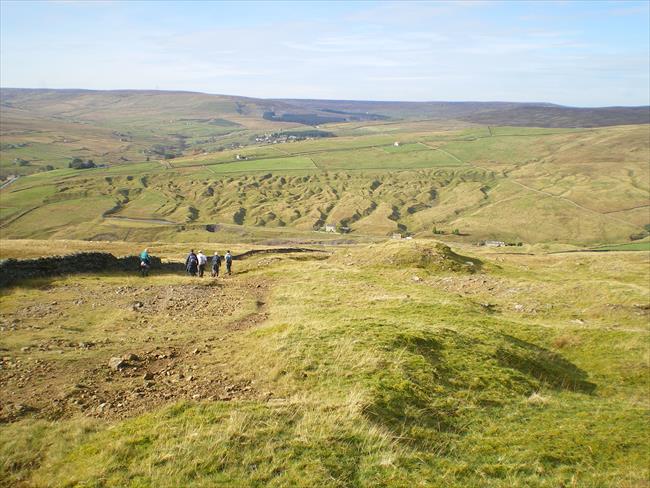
(626, 209)
(8, 182)
(148, 221)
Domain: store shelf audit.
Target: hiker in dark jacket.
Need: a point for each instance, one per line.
(216, 264)
(192, 263)
(228, 259)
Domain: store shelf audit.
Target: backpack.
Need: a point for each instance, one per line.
(193, 260)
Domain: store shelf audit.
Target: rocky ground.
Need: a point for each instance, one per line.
(112, 350)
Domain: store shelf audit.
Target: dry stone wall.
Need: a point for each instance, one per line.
(13, 270)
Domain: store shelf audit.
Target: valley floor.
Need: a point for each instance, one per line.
(392, 364)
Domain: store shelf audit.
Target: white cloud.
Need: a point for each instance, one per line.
(390, 50)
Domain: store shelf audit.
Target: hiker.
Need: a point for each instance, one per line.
(203, 260)
(216, 264)
(191, 263)
(228, 258)
(145, 263)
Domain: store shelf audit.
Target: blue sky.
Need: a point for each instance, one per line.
(574, 53)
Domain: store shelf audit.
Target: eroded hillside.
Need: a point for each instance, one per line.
(530, 185)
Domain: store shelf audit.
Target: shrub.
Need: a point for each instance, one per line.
(78, 163)
(566, 340)
(537, 400)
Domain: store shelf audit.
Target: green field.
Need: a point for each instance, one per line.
(378, 158)
(402, 148)
(270, 164)
(630, 246)
(226, 156)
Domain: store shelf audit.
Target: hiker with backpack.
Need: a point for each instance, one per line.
(191, 263)
(216, 264)
(145, 263)
(202, 260)
(228, 259)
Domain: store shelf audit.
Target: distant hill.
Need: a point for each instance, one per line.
(91, 104)
(492, 113)
(557, 116)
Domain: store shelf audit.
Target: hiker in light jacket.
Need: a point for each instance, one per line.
(203, 260)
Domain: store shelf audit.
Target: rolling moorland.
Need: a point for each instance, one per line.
(369, 361)
(172, 164)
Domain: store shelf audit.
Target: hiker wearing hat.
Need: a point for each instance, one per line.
(203, 260)
(216, 264)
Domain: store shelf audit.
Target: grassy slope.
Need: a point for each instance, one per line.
(279, 164)
(118, 127)
(585, 187)
(380, 380)
(630, 246)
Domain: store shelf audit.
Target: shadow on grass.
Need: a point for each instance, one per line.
(542, 364)
(433, 377)
(404, 399)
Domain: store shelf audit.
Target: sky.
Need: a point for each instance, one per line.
(573, 53)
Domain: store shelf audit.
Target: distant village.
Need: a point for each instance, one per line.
(284, 137)
(276, 138)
